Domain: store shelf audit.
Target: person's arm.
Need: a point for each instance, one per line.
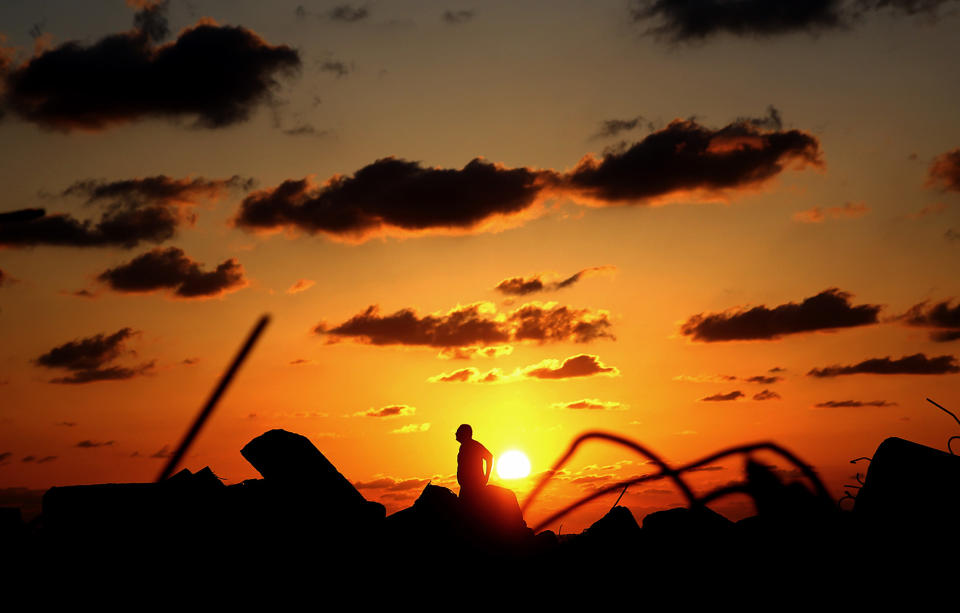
(488, 459)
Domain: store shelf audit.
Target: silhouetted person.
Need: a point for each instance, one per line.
(471, 458)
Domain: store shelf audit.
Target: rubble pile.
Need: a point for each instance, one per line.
(304, 511)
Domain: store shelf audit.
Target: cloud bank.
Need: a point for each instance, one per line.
(171, 269)
(88, 359)
(473, 325)
(393, 196)
(214, 75)
(827, 310)
(916, 364)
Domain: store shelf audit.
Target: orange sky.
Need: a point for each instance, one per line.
(427, 160)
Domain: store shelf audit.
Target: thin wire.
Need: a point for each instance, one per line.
(207, 409)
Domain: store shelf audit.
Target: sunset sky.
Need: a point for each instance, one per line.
(692, 224)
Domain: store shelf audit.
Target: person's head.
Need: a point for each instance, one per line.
(464, 433)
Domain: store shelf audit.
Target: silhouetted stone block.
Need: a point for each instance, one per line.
(496, 510)
(618, 523)
(910, 487)
(683, 522)
(293, 466)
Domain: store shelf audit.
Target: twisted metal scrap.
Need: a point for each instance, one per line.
(665, 472)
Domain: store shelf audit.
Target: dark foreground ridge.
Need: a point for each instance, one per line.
(305, 519)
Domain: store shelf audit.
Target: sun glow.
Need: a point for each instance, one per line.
(513, 464)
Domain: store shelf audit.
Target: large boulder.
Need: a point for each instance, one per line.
(910, 487)
(618, 524)
(304, 481)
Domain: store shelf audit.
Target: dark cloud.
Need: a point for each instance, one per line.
(151, 19)
(88, 444)
(827, 310)
(832, 404)
(685, 20)
(28, 458)
(396, 196)
(680, 20)
(473, 325)
(613, 127)
(305, 129)
(945, 171)
(215, 74)
(163, 452)
(338, 68)
(583, 365)
(394, 410)
(88, 359)
(45, 459)
(347, 13)
(111, 373)
(4, 456)
(82, 293)
(944, 317)
(117, 227)
(455, 17)
(687, 158)
(69, 424)
(766, 395)
(916, 364)
(551, 322)
(159, 190)
(718, 397)
(171, 269)
(951, 235)
(21, 216)
(520, 286)
(133, 211)
(763, 380)
(88, 353)
(4, 278)
(591, 404)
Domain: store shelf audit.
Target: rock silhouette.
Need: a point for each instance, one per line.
(304, 520)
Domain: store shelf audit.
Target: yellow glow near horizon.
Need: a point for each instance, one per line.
(513, 464)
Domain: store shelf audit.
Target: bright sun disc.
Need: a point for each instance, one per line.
(513, 464)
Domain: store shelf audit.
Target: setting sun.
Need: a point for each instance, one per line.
(513, 464)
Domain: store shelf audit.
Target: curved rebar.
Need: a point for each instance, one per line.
(950, 413)
(863, 457)
(620, 440)
(846, 496)
(821, 490)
